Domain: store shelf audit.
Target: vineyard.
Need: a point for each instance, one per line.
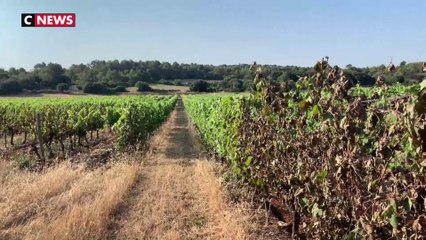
(67, 123)
(332, 160)
(163, 190)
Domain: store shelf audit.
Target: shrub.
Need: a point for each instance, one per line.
(178, 82)
(143, 87)
(97, 88)
(62, 87)
(232, 85)
(10, 87)
(200, 86)
(23, 162)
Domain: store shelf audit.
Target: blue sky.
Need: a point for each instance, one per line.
(284, 32)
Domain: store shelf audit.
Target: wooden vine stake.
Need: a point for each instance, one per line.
(40, 119)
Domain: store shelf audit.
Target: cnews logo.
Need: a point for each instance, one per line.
(48, 19)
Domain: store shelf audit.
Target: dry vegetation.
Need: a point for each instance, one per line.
(65, 202)
(170, 87)
(180, 200)
(161, 88)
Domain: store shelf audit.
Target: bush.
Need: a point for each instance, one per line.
(177, 82)
(143, 87)
(97, 88)
(200, 86)
(120, 89)
(24, 162)
(232, 85)
(9, 87)
(62, 87)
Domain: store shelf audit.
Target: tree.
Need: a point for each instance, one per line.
(232, 85)
(127, 73)
(29, 81)
(287, 76)
(51, 75)
(10, 87)
(358, 76)
(134, 76)
(275, 74)
(143, 87)
(62, 87)
(200, 86)
(113, 78)
(3, 74)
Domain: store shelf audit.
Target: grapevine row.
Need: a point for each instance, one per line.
(337, 161)
(132, 119)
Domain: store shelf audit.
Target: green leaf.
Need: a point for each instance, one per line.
(302, 104)
(322, 175)
(388, 212)
(407, 204)
(237, 170)
(260, 183)
(391, 118)
(316, 211)
(393, 204)
(304, 202)
(248, 161)
(394, 221)
(315, 110)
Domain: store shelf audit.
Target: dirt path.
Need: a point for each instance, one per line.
(178, 196)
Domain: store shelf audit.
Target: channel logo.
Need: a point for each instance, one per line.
(48, 19)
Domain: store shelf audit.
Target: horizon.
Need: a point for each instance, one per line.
(360, 33)
(215, 65)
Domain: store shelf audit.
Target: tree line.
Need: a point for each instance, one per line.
(113, 76)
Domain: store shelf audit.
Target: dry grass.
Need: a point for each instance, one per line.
(179, 198)
(89, 219)
(23, 194)
(6, 170)
(63, 203)
(162, 87)
(227, 222)
(169, 87)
